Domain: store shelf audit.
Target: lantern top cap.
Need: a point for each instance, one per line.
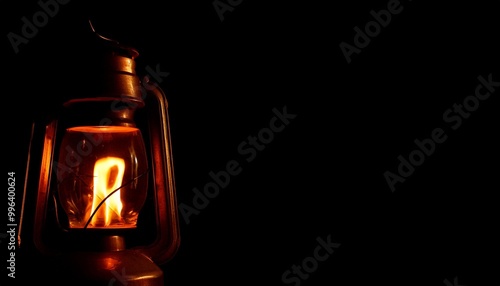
(106, 72)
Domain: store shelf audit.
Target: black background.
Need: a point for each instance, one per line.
(323, 174)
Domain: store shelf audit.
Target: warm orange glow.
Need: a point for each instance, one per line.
(103, 129)
(108, 177)
(109, 263)
(99, 161)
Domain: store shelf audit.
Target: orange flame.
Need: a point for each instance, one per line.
(108, 176)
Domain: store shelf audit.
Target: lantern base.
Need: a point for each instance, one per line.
(125, 267)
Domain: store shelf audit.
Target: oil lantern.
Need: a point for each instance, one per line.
(100, 201)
